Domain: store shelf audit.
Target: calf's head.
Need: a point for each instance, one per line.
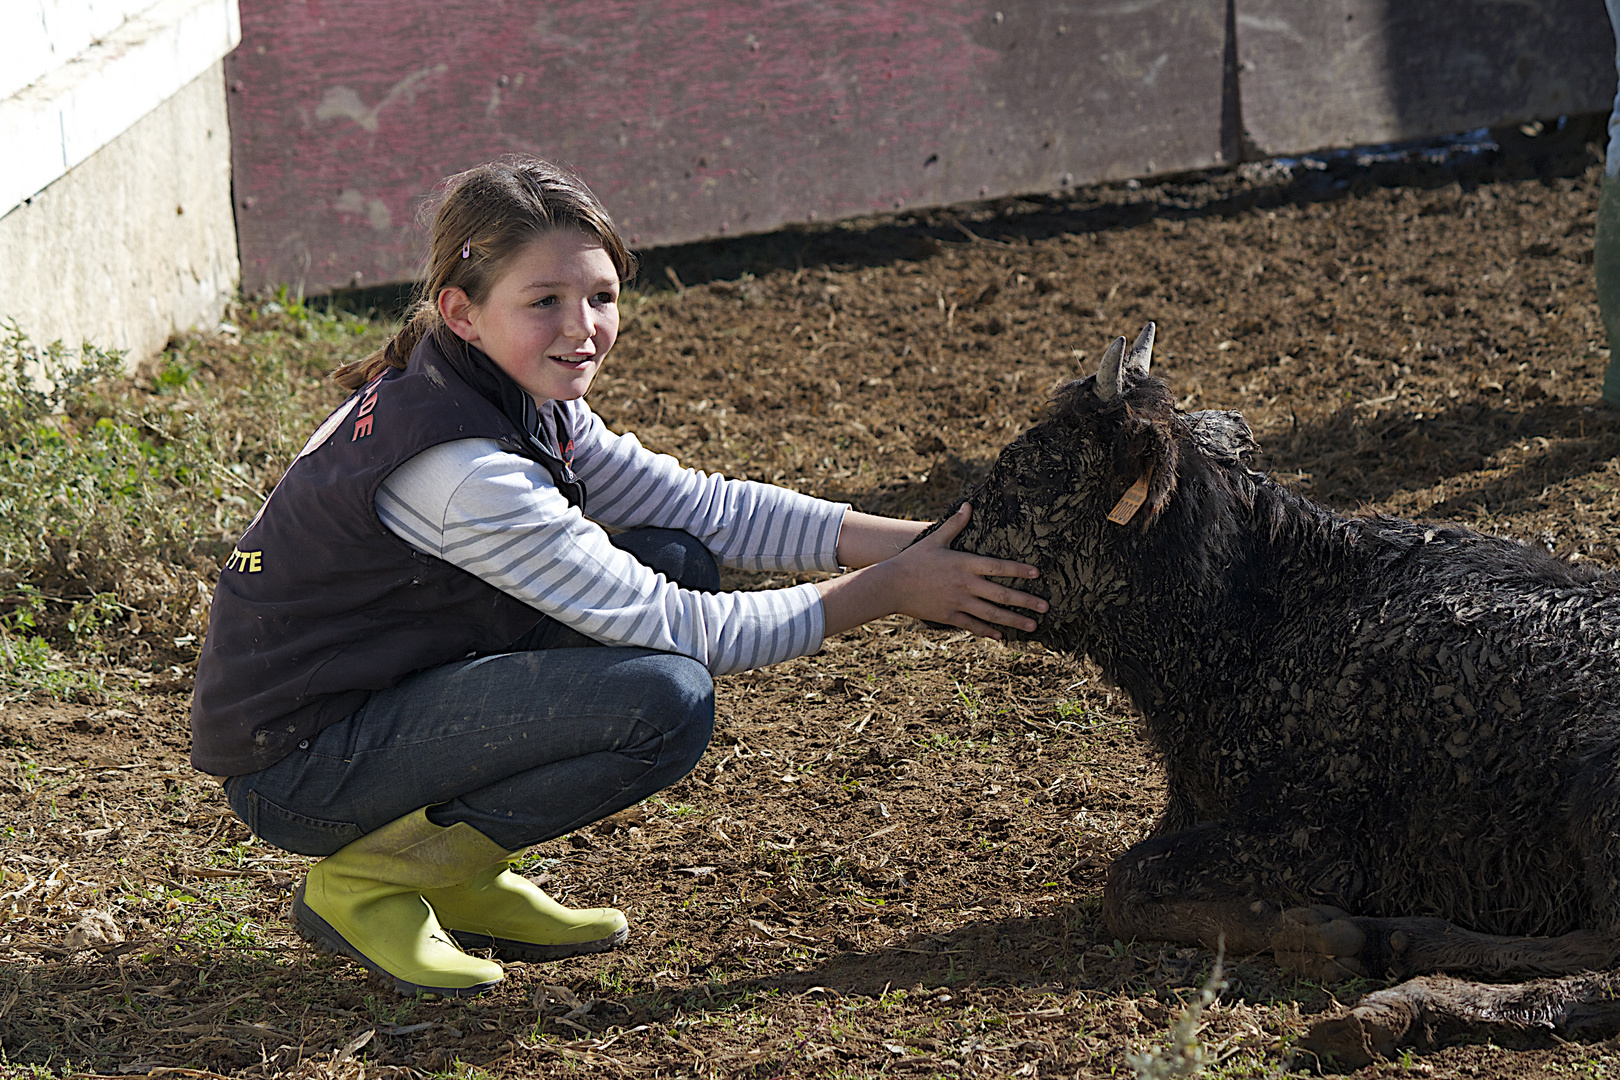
(1115, 496)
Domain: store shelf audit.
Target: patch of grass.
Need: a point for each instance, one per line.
(674, 809)
(535, 862)
(120, 495)
(390, 1009)
(1186, 1051)
(971, 706)
(460, 1070)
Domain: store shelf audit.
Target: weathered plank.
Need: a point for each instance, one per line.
(1355, 72)
(697, 118)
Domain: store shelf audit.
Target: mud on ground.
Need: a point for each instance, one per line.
(892, 857)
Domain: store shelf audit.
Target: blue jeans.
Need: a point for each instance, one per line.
(523, 745)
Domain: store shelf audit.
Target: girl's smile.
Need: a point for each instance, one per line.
(550, 318)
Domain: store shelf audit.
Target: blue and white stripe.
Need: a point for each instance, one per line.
(501, 517)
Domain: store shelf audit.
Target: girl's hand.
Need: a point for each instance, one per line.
(929, 581)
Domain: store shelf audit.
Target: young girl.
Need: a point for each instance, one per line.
(402, 671)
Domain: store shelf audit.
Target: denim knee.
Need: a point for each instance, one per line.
(675, 553)
(684, 695)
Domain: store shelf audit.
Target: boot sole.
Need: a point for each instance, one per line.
(320, 933)
(529, 952)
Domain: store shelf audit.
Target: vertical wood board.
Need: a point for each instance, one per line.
(1334, 73)
(696, 118)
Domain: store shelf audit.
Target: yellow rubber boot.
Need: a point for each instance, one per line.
(502, 910)
(365, 902)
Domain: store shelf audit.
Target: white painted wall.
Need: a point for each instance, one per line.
(43, 35)
(135, 243)
(116, 224)
(76, 74)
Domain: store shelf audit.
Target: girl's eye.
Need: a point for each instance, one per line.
(545, 301)
(605, 298)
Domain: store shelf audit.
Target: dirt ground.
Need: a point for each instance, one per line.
(891, 859)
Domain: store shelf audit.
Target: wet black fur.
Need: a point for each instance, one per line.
(1394, 718)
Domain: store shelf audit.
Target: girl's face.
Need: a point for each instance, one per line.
(551, 317)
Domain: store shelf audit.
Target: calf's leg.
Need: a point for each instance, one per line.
(1323, 943)
(1435, 1010)
(1200, 885)
(1248, 885)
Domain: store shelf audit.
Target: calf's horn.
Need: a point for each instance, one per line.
(1117, 363)
(1141, 354)
(1108, 372)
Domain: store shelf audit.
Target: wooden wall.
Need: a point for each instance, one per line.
(1354, 72)
(701, 118)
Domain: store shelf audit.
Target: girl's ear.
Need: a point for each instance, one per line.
(456, 311)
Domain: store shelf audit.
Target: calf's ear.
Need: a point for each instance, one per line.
(1146, 458)
(1221, 434)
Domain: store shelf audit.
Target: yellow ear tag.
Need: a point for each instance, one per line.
(1130, 502)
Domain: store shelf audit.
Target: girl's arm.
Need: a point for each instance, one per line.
(926, 580)
(746, 524)
(864, 539)
(500, 517)
(750, 524)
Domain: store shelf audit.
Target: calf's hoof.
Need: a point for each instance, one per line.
(1320, 943)
(1318, 968)
(1372, 1030)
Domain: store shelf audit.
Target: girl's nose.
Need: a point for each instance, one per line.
(580, 324)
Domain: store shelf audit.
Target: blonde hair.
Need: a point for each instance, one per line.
(481, 218)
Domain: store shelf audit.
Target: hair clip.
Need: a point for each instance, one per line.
(466, 248)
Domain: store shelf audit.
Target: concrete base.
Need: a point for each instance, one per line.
(136, 242)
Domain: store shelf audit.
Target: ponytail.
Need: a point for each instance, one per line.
(422, 320)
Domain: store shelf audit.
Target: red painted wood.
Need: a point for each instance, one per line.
(1353, 72)
(696, 118)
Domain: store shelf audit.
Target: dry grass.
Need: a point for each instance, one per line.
(891, 861)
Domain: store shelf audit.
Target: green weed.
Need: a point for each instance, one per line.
(1071, 710)
(674, 809)
(1184, 1052)
(120, 497)
(970, 704)
(460, 1070)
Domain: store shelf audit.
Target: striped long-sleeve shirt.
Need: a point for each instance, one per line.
(500, 516)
